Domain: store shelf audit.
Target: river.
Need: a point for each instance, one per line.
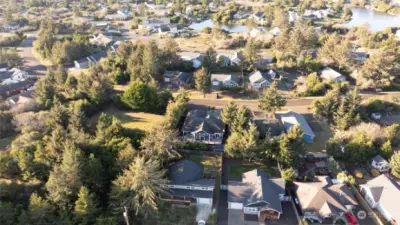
(377, 21)
(209, 23)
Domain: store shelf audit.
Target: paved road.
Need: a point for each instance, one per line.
(31, 64)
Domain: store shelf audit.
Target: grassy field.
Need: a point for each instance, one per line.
(132, 120)
(6, 141)
(238, 170)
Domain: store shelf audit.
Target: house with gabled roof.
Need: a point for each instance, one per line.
(177, 78)
(257, 195)
(258, 16)
(188, 185)
(383, 194)
(379, 163)
(261, 80)
(90, 60)
(202, 125)
(323, 200)
(289, 119)
(194, 57)
(329, 74)
(224, 80)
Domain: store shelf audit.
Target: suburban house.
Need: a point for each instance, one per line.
(188, 185)
(203, 125)
(15, 88)
(3, 67)
(12, 26)
(257, 195)
(154, 23)
(324, 201)
(293, 16)
(23, 98)
(223, 60)
(276, 31)
(170, 29)
(14, 75)
(241, 15)
(236, 59)
(289, 119)
(194, 57)
(329, 74)
(224, 80)
(261, 80)
(379, 163)
(383, 194)
(177, 78)
(268, 127)
(90, 60)
(102, 40)
(125, 14)
(258, 16)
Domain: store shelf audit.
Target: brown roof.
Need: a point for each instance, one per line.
(324, 197)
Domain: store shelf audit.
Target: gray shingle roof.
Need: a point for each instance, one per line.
(379, 159)
(191, 193)
(255, 187)
(291, 118)
(185, 171)
(223, 77)
(387, 193)
(203, 120)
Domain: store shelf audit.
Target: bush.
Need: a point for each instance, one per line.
(358, 174)
(206, 30)
(195, 146)
(232, 89)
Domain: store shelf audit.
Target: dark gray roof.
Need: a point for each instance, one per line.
(255, 187)
(379, 159)
(268, 125)
(13, 86)
(93, 58)
(185, 171)
(183, 76)
(5, 75)
(203, 120)
(3, 65)
(223, 77)
(259, 14)
(190, 193)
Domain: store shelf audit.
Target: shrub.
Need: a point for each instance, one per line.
(358, 174)
(195, 146)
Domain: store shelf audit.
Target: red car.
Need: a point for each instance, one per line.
(351, 218)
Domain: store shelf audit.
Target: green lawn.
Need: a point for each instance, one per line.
(6, 141)
(238, 170)
(132, 120)
(211, 164)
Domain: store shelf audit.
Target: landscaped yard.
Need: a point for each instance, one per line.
(322, 135)
(212, 164)
(132, 120)
(238, 170)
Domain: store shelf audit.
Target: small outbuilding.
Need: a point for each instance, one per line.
(379, 163)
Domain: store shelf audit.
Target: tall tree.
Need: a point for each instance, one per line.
(85, 207)
(242, 119)
(335, 51)
(271, 100)
(229, 113)
(202, 80)
(395, 164)
(251, 52)
(327, 106)
(139, 186)
(291, 146)
(210, 60)
(141, 97)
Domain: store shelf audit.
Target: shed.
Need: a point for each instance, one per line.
(291, 118)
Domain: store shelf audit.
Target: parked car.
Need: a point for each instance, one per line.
(351, 218)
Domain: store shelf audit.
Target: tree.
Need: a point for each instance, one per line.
(327, 106)
(202, 80)
(386, 149)
(170, 55)
(243, 145)
(40, 210)
(291, 146)
(241, 119)
(229, 113)
(280, 18)
(85, 206)
(161, 143)
(395, 164)
(60, 76)
(150, 62)
(6, 126)
(210, 60)
(65, 179)
(139, 186)
(96, 86)
(141, 97)
(11, 57)
(314, 85)
(271, 100)
(288, 174)
(251, 52)
(335, 51)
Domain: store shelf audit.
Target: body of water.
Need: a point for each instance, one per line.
(377, 21)
(211, 24)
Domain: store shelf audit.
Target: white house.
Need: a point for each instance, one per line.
(260, 80)
(14, 76)
(188, 185)
(224, 80)
(257, 194)
(194, 57)
(379, 163)
(329, 74)
(276, 31)
(293, 16)
(383, 194)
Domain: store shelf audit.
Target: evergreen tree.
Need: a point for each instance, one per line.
(291, 146)
(271, 101)
(210, 60)
(328, 105)
(395, 164)
(85, 207)
(228, 114)
(138, 187)
(386, 149)
(241, 119)
(202, 80)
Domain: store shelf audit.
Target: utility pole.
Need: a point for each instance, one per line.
(126, 216)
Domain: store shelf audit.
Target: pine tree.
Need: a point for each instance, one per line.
(241, 119)
(271, 101)
(40, 210)
(229, 113)
(386, 149)
(85, 207)
(210, 60)
(202, 80)
(395, 164)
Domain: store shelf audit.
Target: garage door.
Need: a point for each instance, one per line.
(234, 205)
(207, 201)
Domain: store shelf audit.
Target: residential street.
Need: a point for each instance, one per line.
(31, 64)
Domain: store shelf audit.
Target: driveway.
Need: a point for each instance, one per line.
(31, 64)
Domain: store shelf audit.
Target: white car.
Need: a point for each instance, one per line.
(201, 222)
